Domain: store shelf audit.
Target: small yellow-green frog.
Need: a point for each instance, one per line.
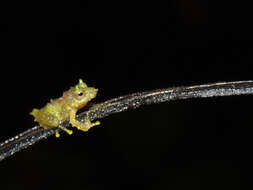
(65, 108)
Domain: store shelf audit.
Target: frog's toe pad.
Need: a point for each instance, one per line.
(95, 123)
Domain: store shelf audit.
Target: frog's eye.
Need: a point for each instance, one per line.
(79, 94)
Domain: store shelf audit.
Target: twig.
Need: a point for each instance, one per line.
(123, 103)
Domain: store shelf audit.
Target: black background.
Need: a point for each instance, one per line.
(120, 48)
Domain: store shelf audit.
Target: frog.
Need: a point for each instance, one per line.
(62, 109)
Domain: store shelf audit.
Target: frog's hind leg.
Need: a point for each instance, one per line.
(57, 134)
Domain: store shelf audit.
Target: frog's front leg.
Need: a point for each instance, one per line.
(85, 126)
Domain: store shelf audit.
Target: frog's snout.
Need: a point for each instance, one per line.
(92, 92)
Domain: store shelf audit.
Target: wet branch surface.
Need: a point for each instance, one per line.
(124, 103)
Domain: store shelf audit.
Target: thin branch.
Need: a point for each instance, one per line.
(123, 103)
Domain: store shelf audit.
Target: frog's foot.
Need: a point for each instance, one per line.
(86, 125)
(57, 134)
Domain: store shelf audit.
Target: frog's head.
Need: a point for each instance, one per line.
(82, 94)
